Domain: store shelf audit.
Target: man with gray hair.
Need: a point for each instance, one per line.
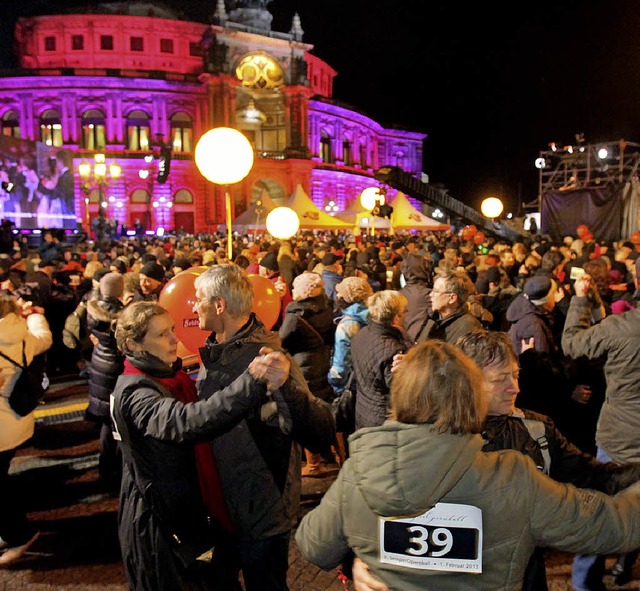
(450, 317)
(259, 459)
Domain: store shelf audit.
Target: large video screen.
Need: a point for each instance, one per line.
(36, 184)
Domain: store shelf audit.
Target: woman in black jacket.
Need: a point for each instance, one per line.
(171, 507)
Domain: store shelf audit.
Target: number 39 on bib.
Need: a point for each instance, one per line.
(446, 538)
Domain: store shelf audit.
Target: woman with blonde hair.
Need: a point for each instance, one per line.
(24, 331)
(425, 508)
(372, 351)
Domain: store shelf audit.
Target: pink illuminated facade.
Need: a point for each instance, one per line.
(126, 82)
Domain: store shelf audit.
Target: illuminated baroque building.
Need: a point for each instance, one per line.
(127, 78)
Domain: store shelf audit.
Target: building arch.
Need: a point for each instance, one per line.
(10, 124)
(138, 125)
(275, 190)
(50, 127)
(93, 126)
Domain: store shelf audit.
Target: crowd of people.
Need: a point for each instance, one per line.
(493, 384)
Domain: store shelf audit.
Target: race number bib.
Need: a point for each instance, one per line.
(446, 538)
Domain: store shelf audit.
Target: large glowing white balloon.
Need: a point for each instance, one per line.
(224, 156)
(369, 196)
(491, 207)
(282, 222)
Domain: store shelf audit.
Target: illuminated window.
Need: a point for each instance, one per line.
(181, 132)
(325, 147)
(138, 131)
(77, 42)
(93, 130)
(10, 124)
(137, 44)
(183, 196)
(140, 196)
(166, 45)
(49, 43)
(195, 49)
(106, 42)
(346, 152)
(51, 128)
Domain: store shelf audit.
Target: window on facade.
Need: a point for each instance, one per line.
(363, 154)
(93, 130)
(77, 42)
(10, 124)
(325, 147)
(346, 152)
(181, 133)
(106, 42)
(166, 45)
(140, 196)
(183, 196)
(49, 43)
(271, 140)
(138, 131)
(195, 49)
(399, 155)
(137, 44)
(51, 128)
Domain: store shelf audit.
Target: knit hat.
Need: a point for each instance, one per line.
(354, 289)
(153, 270)
(536, 289)
(100, 273)
(270, 261)
(112, 285)
(181, 263)
(307, 285)
(329, 259)
(147, 257)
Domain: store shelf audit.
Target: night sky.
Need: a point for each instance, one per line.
(491, 83)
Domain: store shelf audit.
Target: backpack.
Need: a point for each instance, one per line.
(29, 390)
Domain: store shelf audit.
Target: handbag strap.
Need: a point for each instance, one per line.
(15, 362)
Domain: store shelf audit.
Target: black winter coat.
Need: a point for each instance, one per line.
(107, 362)
(160, 494)
(372, 351)
(417, 290)
(308, 334)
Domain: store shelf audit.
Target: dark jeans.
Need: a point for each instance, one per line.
(263, 563)
(15, 529)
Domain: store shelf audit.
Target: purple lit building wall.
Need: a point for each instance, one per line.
(125, 84)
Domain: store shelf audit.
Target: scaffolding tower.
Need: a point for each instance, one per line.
(586, 165)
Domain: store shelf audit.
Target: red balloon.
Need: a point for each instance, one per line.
(581, 230)
(635, 238)
(587, 237)
(178, 296)
(479, 238)
(473, 230)
(266, 301)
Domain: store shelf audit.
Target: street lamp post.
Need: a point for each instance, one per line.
(224, 156)
(97, 176)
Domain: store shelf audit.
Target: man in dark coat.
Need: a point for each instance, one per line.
(259, 459)
(450, 318)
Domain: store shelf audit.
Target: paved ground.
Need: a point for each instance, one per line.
(78, 548)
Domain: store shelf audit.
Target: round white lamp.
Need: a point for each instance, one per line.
(491, 207)
(282, 222)
(224, 156)
(370, 196)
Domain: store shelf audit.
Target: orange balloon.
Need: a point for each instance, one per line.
(635, 238)
(581, 230)
(473, 230)
(479, 238)
(266, 301)
(587, 237)
(178, 296)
